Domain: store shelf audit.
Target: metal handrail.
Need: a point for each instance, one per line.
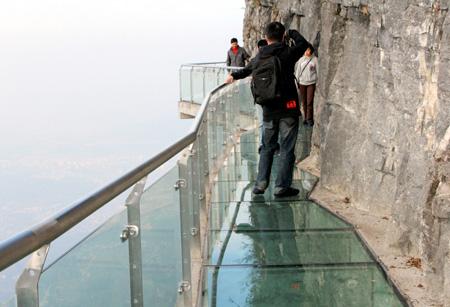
(206, 63)
(26, 242)
(209, 65)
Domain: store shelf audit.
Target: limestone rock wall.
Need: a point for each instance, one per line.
(382, 111)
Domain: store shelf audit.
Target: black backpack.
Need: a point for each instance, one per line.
(266, 77)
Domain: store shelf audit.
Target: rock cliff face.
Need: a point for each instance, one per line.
(382, 111)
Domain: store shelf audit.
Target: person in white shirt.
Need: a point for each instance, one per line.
(306, 73)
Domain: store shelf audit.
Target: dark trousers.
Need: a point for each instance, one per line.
(307, 93)
(284, 131)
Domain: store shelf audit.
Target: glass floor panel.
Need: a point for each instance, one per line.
(254, 216)
(234, 191)
(346, 286)
(275, 248)
(246, 171)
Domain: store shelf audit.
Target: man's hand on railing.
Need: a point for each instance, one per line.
(229, 79)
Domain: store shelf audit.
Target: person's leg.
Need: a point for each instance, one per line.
(288, 138)
(303, 94)
(269, 145)
(310, 90)
(259, 115)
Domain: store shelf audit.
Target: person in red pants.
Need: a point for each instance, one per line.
(306, 72)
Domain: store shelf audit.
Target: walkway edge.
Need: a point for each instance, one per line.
(405, 280)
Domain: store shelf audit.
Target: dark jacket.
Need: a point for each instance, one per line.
(239, 59)
(288, 57)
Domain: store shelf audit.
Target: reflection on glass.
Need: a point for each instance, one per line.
(246, 246)
(354, 286)
(306, 215)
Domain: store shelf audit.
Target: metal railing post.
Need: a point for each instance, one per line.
(191, 84)
(132, 234)
(180, 83)
(27, 290)
(184, 289)
(204, 81)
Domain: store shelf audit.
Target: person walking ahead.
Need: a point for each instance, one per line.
(306, 72)
(281, 115)
(236, 56)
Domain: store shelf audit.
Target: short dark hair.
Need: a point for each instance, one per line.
(262, 43)
(234, 40)
(275, 31)
(311, 47)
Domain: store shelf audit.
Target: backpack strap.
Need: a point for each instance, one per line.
(304, 68)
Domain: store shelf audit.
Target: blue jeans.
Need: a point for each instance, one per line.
(259, 115)
(283, 131)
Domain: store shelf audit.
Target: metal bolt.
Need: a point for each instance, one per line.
(194, 231)
(183, 287)
(130, 231)
(181, 183)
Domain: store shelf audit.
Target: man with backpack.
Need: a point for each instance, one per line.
(274, 88)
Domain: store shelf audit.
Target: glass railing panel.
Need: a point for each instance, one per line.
(9, 303)
(185, 84)
(93, 273)
(161, 241)
(343, 286)
(198, 84)
(96, 272)
(214, 77)
(196, 81)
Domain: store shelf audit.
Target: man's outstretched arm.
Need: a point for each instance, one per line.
(241, 73)
(301, 44)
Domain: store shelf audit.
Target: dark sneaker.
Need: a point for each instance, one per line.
(257, 191)
(287, 192)
(305, 122)
(310, 123)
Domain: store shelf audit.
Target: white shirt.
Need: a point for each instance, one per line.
(307, 70)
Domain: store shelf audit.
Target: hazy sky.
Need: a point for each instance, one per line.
(89, 89)
(67, 67)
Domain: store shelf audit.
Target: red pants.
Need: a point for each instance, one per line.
(307, 93)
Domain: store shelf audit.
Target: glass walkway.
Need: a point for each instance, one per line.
(265, 251)
(197, 236)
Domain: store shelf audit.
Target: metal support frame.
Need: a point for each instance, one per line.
(184, 288)
(194, 201)
(27, 290)
(132, 234)
(191, 84)
(204, 82)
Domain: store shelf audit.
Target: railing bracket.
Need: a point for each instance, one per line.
(184, 286)
(130, 231)
(180, 184)
(194, 231)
